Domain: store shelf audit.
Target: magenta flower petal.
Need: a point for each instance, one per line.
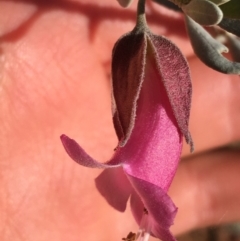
(81, 157)
(114, 187)
(137, 206)
(164, 234)
(161, 209)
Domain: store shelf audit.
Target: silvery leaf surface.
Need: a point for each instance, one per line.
(220, 2)
(210, 50)
(203, 12)
(125, 3)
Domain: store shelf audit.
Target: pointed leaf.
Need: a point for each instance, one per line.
(203, 12)
(209, 50)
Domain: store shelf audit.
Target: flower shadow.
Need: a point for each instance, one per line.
(95, 13)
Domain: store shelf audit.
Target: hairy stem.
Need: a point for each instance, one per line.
(141, 18)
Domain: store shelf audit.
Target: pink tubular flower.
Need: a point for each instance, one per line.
(151, 104)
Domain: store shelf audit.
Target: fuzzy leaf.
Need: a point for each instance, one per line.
(203, 12)
(209, 50)
(219, 2)
(125, 3)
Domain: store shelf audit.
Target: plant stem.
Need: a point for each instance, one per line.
(141, 18)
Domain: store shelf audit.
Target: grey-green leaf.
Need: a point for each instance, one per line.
(219, 2)
(125, 3)
(203, 12)
(209, 50)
